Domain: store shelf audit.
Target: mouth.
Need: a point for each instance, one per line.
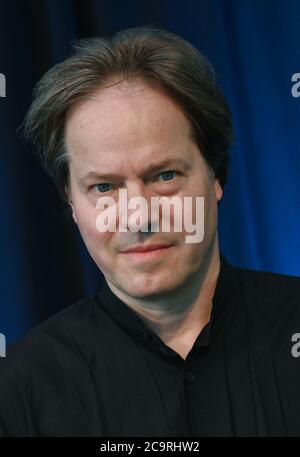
(147, 252)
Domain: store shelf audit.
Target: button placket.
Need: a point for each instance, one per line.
(190, 376)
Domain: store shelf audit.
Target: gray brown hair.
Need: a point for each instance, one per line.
(151, 53)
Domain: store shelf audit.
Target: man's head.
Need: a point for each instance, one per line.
(117, 107)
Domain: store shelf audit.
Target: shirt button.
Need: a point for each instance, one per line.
(190, 376)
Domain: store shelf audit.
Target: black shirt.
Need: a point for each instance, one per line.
(95, 369)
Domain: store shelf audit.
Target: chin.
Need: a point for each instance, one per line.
(148, 287)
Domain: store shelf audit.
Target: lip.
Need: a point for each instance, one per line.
(146, 254)
(145, 249)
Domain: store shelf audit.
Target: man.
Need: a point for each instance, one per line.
(177, 342)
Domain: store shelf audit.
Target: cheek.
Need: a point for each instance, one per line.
(87, 218)
(190, 256)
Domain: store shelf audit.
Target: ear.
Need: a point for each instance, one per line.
(218, 190)
(73, 212)
(71, 204)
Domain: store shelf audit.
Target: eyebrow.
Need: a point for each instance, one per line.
(151, 169)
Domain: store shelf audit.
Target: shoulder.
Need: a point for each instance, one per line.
(271, 301)
(272, 289)
(52, 338)
(36, 373)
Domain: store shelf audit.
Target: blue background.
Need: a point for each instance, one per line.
(254, 48)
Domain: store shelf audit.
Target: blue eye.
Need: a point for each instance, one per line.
(165, 175)
(168, 175)
(104, 187)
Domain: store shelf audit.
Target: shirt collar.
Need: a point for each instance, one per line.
(126, 318)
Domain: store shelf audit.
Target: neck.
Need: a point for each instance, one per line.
(179, 316)
(179, 329)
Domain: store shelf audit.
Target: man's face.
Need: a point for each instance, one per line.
(119, 134)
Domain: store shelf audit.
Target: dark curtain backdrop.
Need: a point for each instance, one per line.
(254, 47)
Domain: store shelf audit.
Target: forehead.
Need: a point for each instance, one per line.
(126, 122)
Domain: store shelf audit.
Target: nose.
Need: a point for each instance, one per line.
(137, 189)
(135, 209)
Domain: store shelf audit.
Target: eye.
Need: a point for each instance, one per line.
(102, 188)
(167, 175)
